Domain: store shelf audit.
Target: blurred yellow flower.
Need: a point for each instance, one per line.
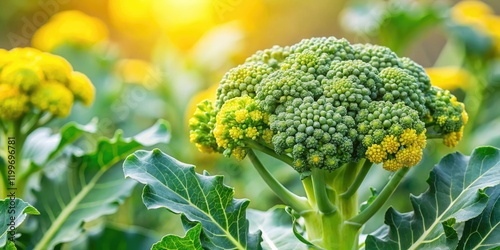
(470, 12)
(492, 28)
(55, 68)
(184, 22)
(134, 17)
(70, 27)
(449, 77)
(30, 78)
(13, 103)
(135, 71)
(54, 98)
(82, 88)
(21, 74)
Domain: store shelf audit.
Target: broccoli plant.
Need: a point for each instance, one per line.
(330, 110)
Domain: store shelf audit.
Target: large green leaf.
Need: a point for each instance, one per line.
(201, 198)
(483, 232)
(94, 186)
(276, 227)
(455, 195)
(16, 208)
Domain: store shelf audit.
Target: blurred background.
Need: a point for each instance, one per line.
(151, 59)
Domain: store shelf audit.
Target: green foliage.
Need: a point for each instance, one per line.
(275, 226)
(456, 196)
(93, 187)
(191, 240)
(20, 210)
(201, 198)
(483, 232)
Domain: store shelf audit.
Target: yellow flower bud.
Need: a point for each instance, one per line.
(13, 103)
(24, 75)
(54, 98)
(82, 88)
(55, 68)
(70, 27)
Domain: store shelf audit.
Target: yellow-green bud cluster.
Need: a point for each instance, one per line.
(240, 119)
(31, 79)
(448, 116)
(201, 127)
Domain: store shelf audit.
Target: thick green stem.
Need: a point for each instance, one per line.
(388, 190)
(269, 151)
(308, 187)
(358, 180)
(324, 203)
(296, 202)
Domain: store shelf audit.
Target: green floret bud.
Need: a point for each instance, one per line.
(335, 49)
(241, 81)
(201, 127)
(347, 94)
(359, 72)
(417, 71)
(283, 86)
(379, 57)
(447, 115)
(272, 57)
(399, 86)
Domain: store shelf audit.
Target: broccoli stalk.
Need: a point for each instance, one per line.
(330, 110)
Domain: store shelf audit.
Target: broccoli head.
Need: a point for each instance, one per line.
(324, 103)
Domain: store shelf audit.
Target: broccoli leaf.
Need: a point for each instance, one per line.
(16, 208)
(483, 232)
(276, 227)
(94, 186)
(42, 146)
(455, 195)
(176, 186)
(191, 240)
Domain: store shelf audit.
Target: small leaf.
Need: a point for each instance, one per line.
(483, 232)
(455, 195)
(370, 200)
(94, 186)
(176, 186)
(41, 146)
(13, 213)
(109, 149)
(191, 240)
(276, 227)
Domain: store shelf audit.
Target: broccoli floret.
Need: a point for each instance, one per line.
(447, 116)
(399, 86)
(379, 57)
(241, 81)
(323, 103)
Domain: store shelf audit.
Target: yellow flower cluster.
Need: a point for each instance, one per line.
(397, 152)
(449, 77)
(70, 27)
(480, 16)
(240, 119)
(30, 78)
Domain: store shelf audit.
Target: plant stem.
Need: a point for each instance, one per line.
(384, 195)
(308, 187)
(359, 179)
(296, 202)
(325, 206)
(268, 151)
